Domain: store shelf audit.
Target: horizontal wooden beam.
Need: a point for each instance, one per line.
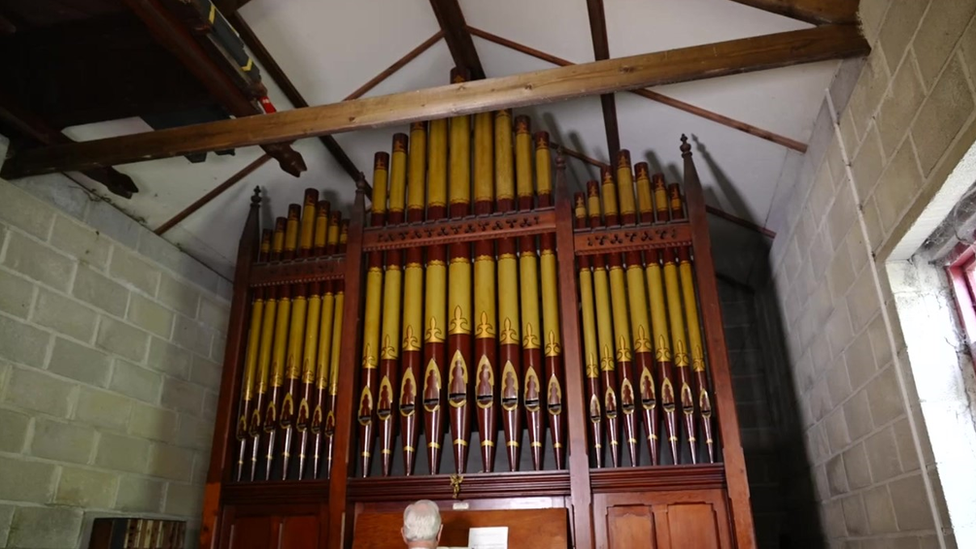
(597, 78)
(653, 96)
(268, 62)
(817, 12)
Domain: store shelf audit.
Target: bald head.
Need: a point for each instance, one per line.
(422, 524)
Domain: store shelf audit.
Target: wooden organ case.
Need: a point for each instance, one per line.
(482, 337)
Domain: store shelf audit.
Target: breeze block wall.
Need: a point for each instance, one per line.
(111, 344)
(910, 119)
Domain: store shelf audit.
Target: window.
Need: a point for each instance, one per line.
(961, 270)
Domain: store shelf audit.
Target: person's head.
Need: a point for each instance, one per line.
(422, 524)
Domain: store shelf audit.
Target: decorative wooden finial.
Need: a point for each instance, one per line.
(361, 185)
(685, 147)
(256, 199)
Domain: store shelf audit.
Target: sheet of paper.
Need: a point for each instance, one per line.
(495, 537)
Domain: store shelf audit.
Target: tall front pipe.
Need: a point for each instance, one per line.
(621, 325)
(310, 363)
(251, 361)
(459, 290)
(485, 342)
(435, 299)
(604, 330)
(553, 346)
(591, 355)
(509, 341)
(411, 354)
(392, 299)
(256, 425)
(532, 362)
(365, 414)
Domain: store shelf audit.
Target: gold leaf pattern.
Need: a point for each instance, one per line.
(642, 344)
(530, 341)
(369, 361)
(508, 335)
(606, 361)
(484, 328)
(623, 351)
(433, 333)
(552, 346)
(459, 324)
(389, 351)
(663, 351)
(680, 355)
(410, 342)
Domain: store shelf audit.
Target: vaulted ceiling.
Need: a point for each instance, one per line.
(329, 50)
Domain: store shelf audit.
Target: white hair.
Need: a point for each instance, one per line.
(421, 521)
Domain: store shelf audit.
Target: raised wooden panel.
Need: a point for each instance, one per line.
(266, 526)
(250, 533)
(693, 525)
(630, 526)
(662, 520)
(527, 528)
(300, 532)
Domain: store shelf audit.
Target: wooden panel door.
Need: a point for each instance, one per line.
(269, 526)
(662, 520)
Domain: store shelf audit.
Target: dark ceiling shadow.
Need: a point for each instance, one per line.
(578, 172)
(732, 195)
(671, 171)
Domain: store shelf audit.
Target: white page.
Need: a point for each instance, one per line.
(495, 537)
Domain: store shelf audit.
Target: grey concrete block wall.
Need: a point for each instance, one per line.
(910, 119)
(110, 350)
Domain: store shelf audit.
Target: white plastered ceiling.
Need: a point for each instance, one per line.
(329, 49)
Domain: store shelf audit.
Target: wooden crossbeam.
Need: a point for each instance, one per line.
(817, 12)
(174, 36)
(451, 20)
(34, 128)
(626, 73)
(267, 61)
(652, 95)
(601, 51)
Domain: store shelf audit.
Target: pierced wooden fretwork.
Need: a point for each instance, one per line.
(460, 230)
(625, 239)
(301, 271)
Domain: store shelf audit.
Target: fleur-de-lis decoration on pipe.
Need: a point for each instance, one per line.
(484, 328)
(433, 334)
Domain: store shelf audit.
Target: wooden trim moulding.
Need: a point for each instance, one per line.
(627, 73)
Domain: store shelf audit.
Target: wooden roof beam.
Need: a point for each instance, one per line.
(601, 51)
(36, 129)
(817, 12)
(652, 95)
(451, 20)
(269, 64)
(174, 36)
(545, 86)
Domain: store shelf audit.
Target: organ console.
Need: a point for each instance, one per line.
(486, 298)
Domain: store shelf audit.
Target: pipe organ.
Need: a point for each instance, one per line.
(485, 336)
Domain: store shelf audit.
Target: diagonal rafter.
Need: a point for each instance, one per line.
(652, 95)
(597, 78)
(175, 36)
(818, 12)
(451, 20)
(267, 61)
(601, 52)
